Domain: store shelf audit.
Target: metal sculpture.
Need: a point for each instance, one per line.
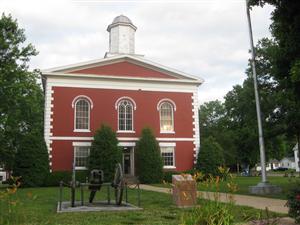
(118, 184)
(96, 183)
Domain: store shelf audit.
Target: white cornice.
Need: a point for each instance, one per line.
(120, 58)
(108, 77)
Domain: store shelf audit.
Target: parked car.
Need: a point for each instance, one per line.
(281, 169)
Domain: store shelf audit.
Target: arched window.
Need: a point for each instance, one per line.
(82, 115)
(166, 113)
(125, 115)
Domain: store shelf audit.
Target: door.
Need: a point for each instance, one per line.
(128, 161)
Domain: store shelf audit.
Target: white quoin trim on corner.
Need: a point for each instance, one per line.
(196, 125)
(48, 121)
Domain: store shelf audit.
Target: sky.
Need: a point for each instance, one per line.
(205, 38)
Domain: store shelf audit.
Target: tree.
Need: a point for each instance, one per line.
(21, 108)
(214, 122)
(210, 156)
(31, 160)
(149, 162)
(105, 152)
(285, 29)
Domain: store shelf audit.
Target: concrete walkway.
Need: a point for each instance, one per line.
(274, 205)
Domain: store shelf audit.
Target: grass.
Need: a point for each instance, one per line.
(38, 206)
(244, 183)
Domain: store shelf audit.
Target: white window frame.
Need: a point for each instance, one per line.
(80, 144)
(172, 104)
(169, 145)
(90, 103)
(133, 107)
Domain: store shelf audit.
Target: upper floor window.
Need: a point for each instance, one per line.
(166, 113)
(82, 105)
(125, 115)
(125, 107)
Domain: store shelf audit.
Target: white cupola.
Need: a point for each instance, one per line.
(121, 36)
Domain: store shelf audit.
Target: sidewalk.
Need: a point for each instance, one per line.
(275, 205)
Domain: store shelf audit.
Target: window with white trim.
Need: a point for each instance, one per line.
(168, 156)
(81, 156)
(82, 114)
(125, 115)
(166, 112)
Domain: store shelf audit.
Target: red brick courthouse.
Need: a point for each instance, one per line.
(126, 91)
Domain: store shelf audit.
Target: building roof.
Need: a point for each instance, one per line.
(181, 76)
(291, 159)
(121, 20)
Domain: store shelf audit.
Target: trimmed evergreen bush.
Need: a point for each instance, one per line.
(210, 156)
(149, 164)
(105, 152)
(31, 161)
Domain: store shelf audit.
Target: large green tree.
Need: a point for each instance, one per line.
(233, 123)
(105, 152)
(214, 123)
(285, 60)
(21, 108)
(31, 160)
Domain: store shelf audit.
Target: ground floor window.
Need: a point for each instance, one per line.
(168, 156)
(81, 155)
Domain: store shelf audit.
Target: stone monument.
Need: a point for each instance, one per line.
(184, 190)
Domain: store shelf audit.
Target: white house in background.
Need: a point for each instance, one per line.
(296, 155)
(288, 162)
(3, 175)
(271, 165)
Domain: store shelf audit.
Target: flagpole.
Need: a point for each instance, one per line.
(258, 111)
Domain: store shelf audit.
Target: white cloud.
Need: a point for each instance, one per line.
(204, 38)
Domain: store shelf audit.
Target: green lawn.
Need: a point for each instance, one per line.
(244, 182)
(38, 206)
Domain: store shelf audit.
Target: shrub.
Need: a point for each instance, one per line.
(66, 176)
(32, 162)
(149, 162)
(210, 157)
(105, 152)
(210, 213)
(167, 176)
(211, 210)
(293, 202)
